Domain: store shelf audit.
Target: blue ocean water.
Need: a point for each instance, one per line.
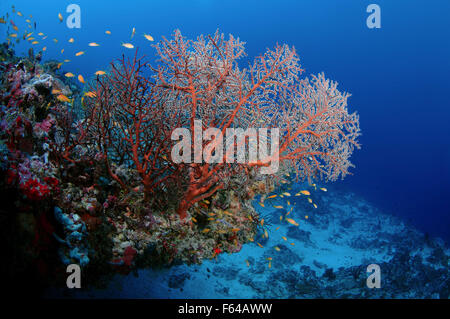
(398, 75)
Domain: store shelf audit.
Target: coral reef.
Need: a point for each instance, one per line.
(90, 174)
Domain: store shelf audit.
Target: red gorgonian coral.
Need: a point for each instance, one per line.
(133, 114)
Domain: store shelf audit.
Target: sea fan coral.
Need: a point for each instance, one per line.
(132, 115)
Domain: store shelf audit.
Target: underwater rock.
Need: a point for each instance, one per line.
(319, 264)
(74, 249)
(228, 273)
(283, 258)
(329, 274)
(299, 234)
(177, 280)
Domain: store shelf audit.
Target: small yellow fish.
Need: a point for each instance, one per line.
(15, 28)
(128, 45)
(19, 13)
(81, 79)
(206, 230)
(277, 248)
(60, 17)
(94, 44)
(310, 200)
(284, 237)
(133, 32)
(79, 53)
(315, 206)
(71, 40)
(40, 34)
(266, 233)
(108, 32)
(323, 189)
(28, 21)
(306, 216)
(13, 35)
(281, 218)
(69, 75)
(30, 39)
(29, 35)
(100, 73)
(35, 42)
(289, 203)
(272, 196)
(63, 98)
(291, 221)
(305, 193)
(148, 37)
(66, 60)
(278, 206)
(62, 51)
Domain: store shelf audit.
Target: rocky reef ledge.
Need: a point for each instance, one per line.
(328, 259)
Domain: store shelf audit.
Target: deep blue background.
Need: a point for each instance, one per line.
(398, 75)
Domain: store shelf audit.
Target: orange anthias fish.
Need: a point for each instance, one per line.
(128, 45)
(291, 221)
(148, 37)
(81, 79)
(63, 98)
